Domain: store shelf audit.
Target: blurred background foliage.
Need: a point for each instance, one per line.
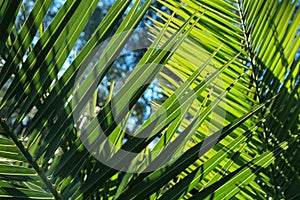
(123, 65)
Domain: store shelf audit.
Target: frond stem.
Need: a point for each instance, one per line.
(29, 158)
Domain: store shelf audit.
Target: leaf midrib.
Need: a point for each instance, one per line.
(30, 160)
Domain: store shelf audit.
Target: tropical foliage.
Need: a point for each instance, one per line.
(228, 126)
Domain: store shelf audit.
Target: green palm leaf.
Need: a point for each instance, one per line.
(227, 128)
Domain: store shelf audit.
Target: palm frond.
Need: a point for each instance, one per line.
(227, 128)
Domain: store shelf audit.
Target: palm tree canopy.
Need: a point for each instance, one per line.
(226, 128)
